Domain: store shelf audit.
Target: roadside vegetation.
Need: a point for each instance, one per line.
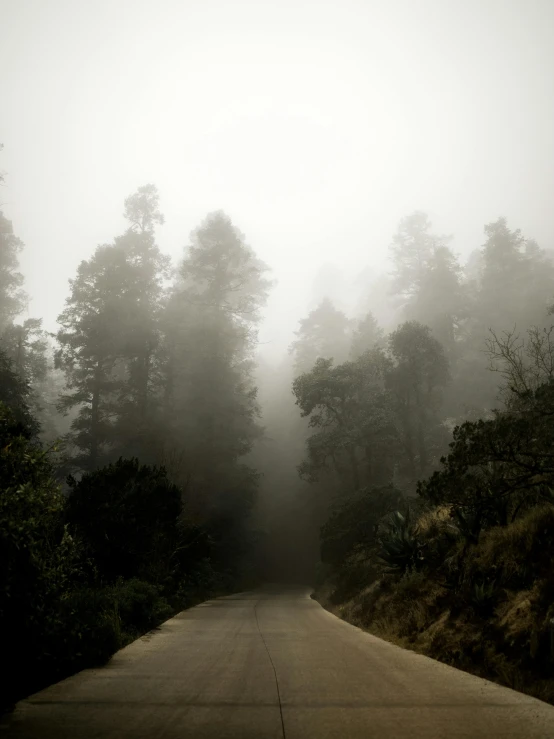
(436, 507)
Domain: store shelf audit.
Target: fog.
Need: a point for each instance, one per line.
(276, 304)
(315, 125)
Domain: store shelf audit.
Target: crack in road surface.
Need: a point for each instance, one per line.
(274, 670)
(247, 666)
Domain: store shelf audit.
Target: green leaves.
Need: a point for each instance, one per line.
(497, 469)
(353, 414)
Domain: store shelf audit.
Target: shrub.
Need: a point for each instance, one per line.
(140, 606)
(354, 524)
(126, 514)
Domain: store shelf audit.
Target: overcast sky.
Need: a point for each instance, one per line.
(316, 125)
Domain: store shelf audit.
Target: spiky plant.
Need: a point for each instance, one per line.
(401, 550)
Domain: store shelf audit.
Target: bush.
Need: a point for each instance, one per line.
(40, 559)
(140, 606)
(354, 524)
(83, 576)
(126, 515)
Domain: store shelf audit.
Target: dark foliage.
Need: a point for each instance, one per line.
(15, 394)
(126, 515)
(354, 524)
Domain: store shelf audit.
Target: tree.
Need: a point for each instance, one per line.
(441, 303)
(427, 277)
(15, 395)
(353, 417)
(419, 371)
(354, 524)
(27, 345)
(510, 284)
(325, 333)
(109, 340)
(412, 250)
(498, 468)
(210, 332)
(12, 297)
(141, 307)
(367, 335)
(90, 340)
(525, 363)
(517, 277)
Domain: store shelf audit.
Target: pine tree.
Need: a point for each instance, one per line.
(420, 371)
(209, 337)
(90, 340)
(325, 333)
(412, 250)
(12, 297)
(141, 306)
(367, 335)
(516, 282)
(428, 279)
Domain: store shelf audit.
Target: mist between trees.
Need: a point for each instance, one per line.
(142, 471)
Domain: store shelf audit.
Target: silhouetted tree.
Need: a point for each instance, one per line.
(209, 338)
(367, 335)
(419, 372)
(325, 333)
(90, 340)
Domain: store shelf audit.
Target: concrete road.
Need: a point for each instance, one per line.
(271, 664)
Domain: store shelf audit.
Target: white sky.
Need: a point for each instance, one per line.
(315, 124)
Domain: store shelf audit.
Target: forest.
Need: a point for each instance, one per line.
(151, 459)
(428, 455)
(125, 494)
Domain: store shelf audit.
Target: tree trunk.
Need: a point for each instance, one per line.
(369, 462)
(408, 435)
(95, 416)
(422, 450)
(354, 467)
(143, 387)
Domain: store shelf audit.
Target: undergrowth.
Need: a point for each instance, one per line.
(486, 608)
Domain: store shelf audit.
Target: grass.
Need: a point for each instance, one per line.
(495, 624)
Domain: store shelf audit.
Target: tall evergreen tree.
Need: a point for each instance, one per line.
(412, 250)
(209, 335)
(27, 345)
(12, 297)
(90, 340)
(141, 306)
(427, 278)
(109, 340)
(420, 370)
(367, 335)
(325, 333)
(517, 280)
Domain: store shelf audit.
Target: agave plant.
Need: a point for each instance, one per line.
(468, 523)
(400, 549)
(483, 595)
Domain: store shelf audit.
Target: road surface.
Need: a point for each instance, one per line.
(270, 664)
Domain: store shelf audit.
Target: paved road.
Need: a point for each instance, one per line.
(268, 664)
